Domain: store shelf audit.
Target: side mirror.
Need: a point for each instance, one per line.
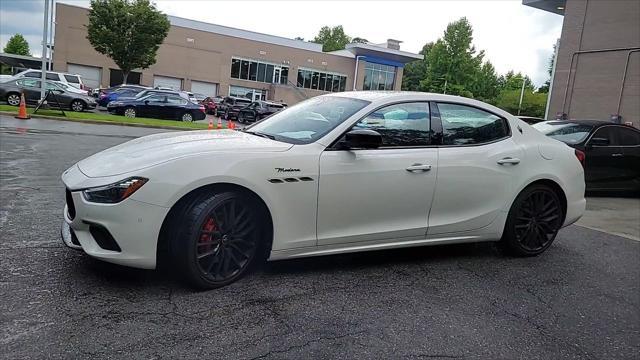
(59, 91)
(361, 139)
(146, 102)
(596, 141)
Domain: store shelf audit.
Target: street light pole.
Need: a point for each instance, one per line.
(51, 22)
(43, 71)
(524, 80)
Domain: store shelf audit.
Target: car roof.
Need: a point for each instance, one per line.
(594, 123)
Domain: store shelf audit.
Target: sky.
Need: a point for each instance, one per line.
(513, 36)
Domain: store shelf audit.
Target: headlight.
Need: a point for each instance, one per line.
(114, 193)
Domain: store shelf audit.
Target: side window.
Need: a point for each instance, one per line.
(404, 124)
(52, 76)
(72, 79)
(628, 137)
(466, 125)
(176, 100)
(157, 98)
(605, 135)
(33, 74)
(32, 83)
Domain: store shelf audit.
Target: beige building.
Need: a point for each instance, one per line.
(219, 60)
(597, 72)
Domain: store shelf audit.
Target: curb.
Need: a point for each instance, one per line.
(100, 122)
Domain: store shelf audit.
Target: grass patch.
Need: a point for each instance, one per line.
(107, 118)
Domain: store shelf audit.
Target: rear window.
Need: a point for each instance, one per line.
(72, 79)
(33, 74)
(569, 133)
(54, 77)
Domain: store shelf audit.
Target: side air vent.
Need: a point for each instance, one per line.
(275, 181)
(291, 180)
(306, 178)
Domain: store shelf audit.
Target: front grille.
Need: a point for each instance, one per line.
(71, 208)
(74, 238)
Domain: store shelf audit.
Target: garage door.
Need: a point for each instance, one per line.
(204, 88)
(167, 82)
(91, 75)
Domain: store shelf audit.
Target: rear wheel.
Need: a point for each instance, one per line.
(13, 99)
(216, 240)
(130, 112)
(187, 117)
(241, 117)
(534, 220)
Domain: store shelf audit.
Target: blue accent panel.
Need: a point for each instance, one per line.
(382, 61)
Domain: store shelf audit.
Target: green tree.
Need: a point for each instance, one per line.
(513, 81)
(547, 84)
(359, 40)
(452, 61)
(332, 39)
(486, 84)
(416, 71)
(128, 31)
(533, 103)
(17, 45)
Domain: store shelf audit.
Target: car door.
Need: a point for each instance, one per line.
(629, 139)
(604, 165)
(478, 162)
(154, 106)
(175, 107)
(31, 89)
(382, 194)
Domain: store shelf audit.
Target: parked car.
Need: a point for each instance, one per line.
(531, 119)
(159, 106)
(211, 104)
(10, 91)
(147, 92)
(122, 91)
(258, 110)
(337, 173)
(230, 106)
(104, 91)
(610, 152)
(64, 78)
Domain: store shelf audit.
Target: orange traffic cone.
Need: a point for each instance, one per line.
(219, 124)
(229, 124)
(210, 123)
(22, 112)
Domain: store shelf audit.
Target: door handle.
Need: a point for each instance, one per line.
(509, 160)
(616, 155)
(418, 168)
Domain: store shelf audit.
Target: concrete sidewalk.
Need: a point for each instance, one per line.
(618, 216)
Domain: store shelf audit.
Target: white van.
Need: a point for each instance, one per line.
(73, 82)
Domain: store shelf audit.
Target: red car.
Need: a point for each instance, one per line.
(211, 105)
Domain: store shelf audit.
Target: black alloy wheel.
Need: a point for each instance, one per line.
(241, 117)
(218, 240)
(534, 221)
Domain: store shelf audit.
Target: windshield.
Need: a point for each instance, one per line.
(309, 120)
(570, 133)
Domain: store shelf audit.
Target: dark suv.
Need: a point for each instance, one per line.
(258, 110)
(230, 106)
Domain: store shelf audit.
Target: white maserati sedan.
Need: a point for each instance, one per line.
(338, 173)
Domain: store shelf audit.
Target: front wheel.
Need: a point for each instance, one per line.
(187, 117)
(533, 221)
(241, 118)
(216, 240)
(78, 105)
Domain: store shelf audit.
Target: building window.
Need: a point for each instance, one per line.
(379, 77)
(259, 71)
(116, 77)
(248, 93)
(318, 80)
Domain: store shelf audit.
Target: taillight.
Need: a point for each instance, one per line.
(581, 156)
(202, 108)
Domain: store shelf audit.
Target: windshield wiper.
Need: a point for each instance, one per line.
(256, 133)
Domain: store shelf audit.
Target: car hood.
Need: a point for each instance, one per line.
(155, 149)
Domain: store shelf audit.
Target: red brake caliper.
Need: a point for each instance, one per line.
(207, 235)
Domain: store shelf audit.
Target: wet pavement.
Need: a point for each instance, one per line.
(579, 300)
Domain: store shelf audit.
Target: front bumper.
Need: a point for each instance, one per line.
(133, 225)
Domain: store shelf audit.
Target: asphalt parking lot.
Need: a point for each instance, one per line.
(579, 300)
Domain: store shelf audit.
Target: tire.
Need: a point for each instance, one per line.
(130, 112)
(77, 106)
(533, 221)
(187, 117)
(215, 112)
(13, 99)
(207, 252)
(241, 118)
(226, 115)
